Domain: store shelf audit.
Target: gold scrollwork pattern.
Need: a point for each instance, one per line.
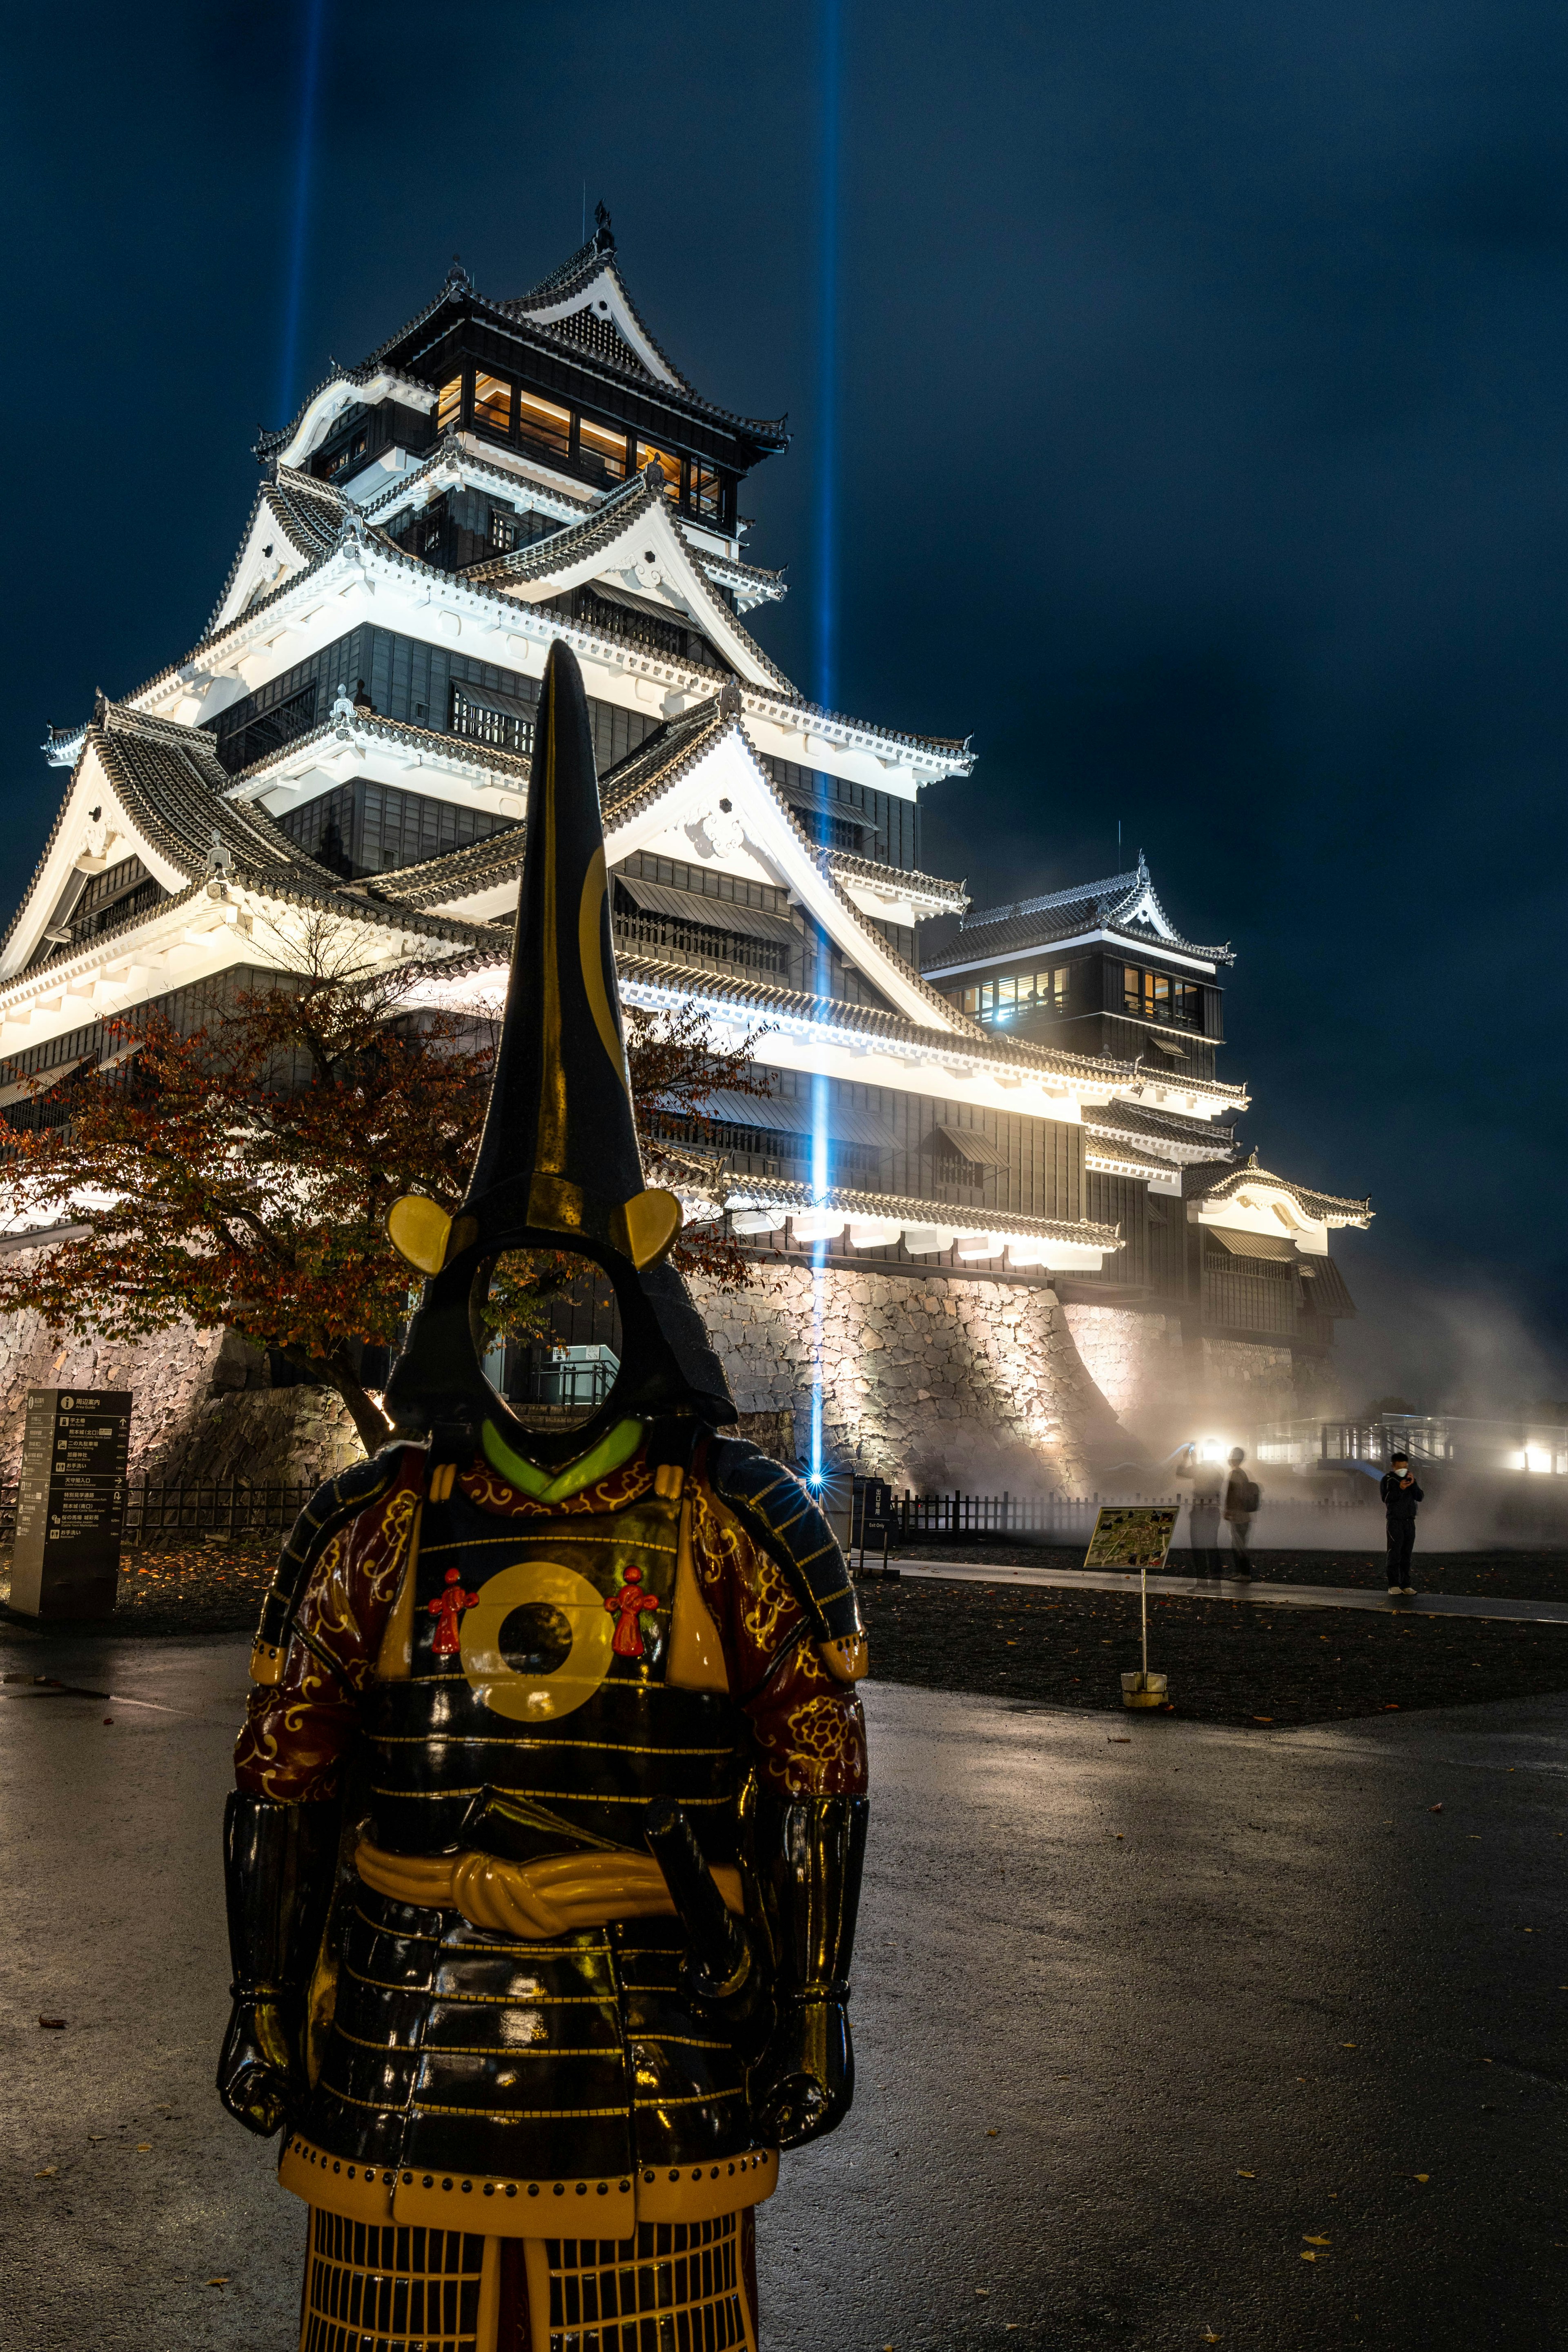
(491, 1492)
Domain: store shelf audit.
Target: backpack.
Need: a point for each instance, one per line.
(1247, 1496)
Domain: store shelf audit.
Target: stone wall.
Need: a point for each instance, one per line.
(199, 1411)
(927, 1380)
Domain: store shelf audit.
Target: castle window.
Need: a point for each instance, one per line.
(1024, 991)
(705, 494)
(347, 456)
(484, 714)
(602, 451)
(1155, 996)
(670, 466)
(492, 404)
(449, 403)
(544, 425)
(503, 530)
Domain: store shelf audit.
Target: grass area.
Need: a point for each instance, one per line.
(1229, 1661)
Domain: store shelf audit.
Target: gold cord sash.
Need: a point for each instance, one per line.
(554, 1897)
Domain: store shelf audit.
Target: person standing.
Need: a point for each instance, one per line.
(1241, 1501)
(1400, 1496)
(1203, 1516)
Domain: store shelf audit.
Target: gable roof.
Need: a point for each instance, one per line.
(306, 514)
(612, 539)
(542, 318)
(1123, 903)
(634, 790)
(1217, 1182)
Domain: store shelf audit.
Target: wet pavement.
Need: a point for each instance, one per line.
(1147, 2012)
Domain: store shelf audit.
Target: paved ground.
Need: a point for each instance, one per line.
(1145, 2008)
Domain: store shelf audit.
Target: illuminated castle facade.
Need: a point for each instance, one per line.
(1035, 1217)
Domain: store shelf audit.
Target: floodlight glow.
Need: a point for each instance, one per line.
(1536, 1458)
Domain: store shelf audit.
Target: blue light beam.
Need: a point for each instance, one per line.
(314, 24)
(826, 666)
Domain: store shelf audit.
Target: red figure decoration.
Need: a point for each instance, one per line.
(631, 1601)
(448, 1606)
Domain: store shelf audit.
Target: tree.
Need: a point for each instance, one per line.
(240, 1174)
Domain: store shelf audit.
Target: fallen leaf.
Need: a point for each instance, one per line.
(109, 1718)
(218, 2282)
(48, 2173)
(1347, 2045)
(143, 2146)
(1420, 2176)
(982, 2290)
(1245, 2175)
(1263, 1718)
(1117, 1739)
(1433, 1809)
(53, 2024)
(1315, 2242)
(1308, 2257)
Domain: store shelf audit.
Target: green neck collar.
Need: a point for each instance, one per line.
(618, 1447)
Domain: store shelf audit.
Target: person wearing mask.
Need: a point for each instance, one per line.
(1241, 1500)
(1203, 1516)
(1400, 1496)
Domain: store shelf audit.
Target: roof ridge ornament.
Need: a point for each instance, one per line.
(457, 280)
(603, 235)
(220, 858)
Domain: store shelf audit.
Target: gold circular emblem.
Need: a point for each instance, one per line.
(536, 1697)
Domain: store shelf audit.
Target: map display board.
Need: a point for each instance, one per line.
(1131, 1534)
(71, 1502)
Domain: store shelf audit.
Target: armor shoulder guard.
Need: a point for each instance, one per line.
(779, 1515)
(342, 1498)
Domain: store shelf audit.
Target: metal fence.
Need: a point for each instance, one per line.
(1068, 1520)
(155, 1512)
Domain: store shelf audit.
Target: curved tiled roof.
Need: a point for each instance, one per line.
(1215, 1181)
(513, 318)
(1107, 905)
(894, 879)
(371, 724)
(309, 513)
(770, 1191)
(580, 541)
(1197, 1136)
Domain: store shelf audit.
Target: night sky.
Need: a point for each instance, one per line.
(1199, 419)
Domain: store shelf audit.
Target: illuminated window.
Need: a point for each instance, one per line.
(544, 425)
(347, 457)
(1007, 998)
(1051, 989)
(1155, 996)
(449, 403)
(970, 1000)
(492, 404)
(707, 491)
(670, 466)
(603, 450)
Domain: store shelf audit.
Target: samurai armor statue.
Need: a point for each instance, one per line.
(544, 1855)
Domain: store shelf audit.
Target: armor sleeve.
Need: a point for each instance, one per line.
(806, 1723)
(346, 1566)
(779, 1515)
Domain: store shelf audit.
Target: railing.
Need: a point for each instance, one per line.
(767, 958)
(154, 1510)
(957, 1517)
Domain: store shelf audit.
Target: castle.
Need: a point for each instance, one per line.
(995, 1202)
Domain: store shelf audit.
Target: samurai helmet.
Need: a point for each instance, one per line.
(558, 1166)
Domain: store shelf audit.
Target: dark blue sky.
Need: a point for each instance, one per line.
(1201, 405)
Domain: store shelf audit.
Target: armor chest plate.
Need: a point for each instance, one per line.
(537, 1669)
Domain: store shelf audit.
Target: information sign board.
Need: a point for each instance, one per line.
(1131, 1534)
(71, 1502)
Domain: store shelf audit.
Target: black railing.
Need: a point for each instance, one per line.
(768, 959)
(155, 1510)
